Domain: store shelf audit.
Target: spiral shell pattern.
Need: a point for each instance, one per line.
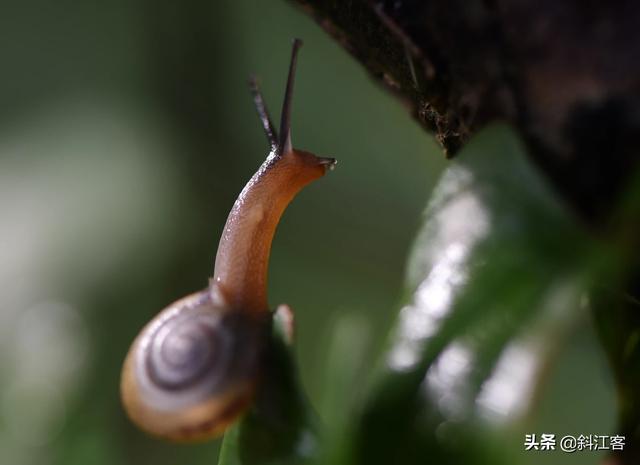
(182, 349)
(195, 360)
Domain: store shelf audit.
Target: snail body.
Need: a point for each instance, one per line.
(195, 367)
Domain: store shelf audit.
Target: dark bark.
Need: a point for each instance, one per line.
(566, 74)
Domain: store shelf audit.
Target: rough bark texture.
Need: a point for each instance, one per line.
(566, 74)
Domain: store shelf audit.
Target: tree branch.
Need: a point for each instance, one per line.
(566, 74)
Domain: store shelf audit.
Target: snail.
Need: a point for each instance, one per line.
(196, 366)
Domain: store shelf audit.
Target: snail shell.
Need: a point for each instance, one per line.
(193, 368)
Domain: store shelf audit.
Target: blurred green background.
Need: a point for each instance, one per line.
(126, 132)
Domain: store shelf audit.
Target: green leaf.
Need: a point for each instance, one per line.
(280, 428)
(229, 453)
(496, 269)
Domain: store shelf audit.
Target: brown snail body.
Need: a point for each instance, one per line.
(195, 367)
